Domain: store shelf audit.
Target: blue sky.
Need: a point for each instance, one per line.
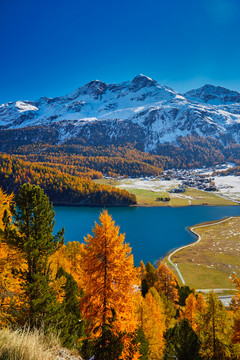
(51, 47)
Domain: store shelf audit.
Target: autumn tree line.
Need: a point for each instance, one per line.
(93, 161)
(60, 186)
(94, 297)
(112, 161)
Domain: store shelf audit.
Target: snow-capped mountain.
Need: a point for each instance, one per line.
(140, 111)
(215, 95)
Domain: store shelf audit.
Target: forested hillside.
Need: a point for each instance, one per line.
(60, 186)
(79, 159)
(112, 161)
(93, 296)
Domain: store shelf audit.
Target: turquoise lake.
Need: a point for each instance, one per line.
(151, 232)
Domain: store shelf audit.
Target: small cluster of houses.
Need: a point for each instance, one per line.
(203, 183)
(190, 178)
(177, 191)
(202, 179)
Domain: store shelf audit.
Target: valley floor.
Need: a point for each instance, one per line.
(155, 192)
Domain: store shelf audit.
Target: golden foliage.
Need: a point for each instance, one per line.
(189, 311)
(167, 283)
(142, 270)
(109, 279)
(60, 186)
(235, 307)
(194, 306)
(68, 257)
(5, 202)
(152, 321)
(214, 329)
(10, 286)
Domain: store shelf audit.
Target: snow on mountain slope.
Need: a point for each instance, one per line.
(215, 95)
(141, 110)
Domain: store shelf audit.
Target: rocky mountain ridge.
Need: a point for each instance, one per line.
(140, 111)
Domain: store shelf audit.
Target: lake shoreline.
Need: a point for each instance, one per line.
(77, 205)
(152, 232)
(234, 203)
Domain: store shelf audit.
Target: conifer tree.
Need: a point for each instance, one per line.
(142, 270)
(143, 344)
(196, 307)
(235, 307)
(201, 303)
(183, 292)
(152, 322)
(10, 290)
(170, 311)
(109, 345)
(109, 283)
(167, 283)
(190, 310)
(151, 275)
(149, 279)
(214, 327)
(71, 324)
(31, 234)
(182, 342)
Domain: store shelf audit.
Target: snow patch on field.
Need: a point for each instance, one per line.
(152, 185)
(182, 196)
(228, 186)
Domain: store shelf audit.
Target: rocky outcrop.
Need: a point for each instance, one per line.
(65, 354)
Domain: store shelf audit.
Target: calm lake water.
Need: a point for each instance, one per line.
(151, 232)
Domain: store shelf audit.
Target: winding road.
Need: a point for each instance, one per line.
(193, 244)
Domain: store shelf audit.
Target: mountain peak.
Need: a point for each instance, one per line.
(212, 94)
(142, 76)
(140, 110)
(96, 86)
(141, 81)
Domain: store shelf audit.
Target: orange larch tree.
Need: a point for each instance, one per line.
(67, 258)
(189, 310)
(195, 307)
(10, 290)
(214, 329)
(142, 270)
(109, 280)
(235, 307)
(201, 303)
(167, 283)
(152, 321)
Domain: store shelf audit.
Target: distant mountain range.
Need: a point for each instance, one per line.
(141, 112)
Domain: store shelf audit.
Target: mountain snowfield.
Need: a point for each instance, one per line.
(140, 110)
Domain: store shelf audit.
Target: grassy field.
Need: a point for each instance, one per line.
(148, 197)
(209, 263)
(23, 344)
